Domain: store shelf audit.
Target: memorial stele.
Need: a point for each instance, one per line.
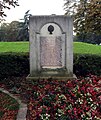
(51, 47)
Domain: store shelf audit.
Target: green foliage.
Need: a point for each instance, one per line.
(14, 31)
(88, 38)
(9, 31)
(14, 60)
(69, 4)
(1, 114)
(13, 64)
(87, 17)
(87, 64)
(24, 30)
(5, 4)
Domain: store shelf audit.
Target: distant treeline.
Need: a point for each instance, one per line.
(18, 31)
(88, 38)
(14, 31)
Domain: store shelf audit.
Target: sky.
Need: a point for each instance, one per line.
(36, 7)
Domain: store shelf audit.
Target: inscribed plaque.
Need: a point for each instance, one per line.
(51, 49)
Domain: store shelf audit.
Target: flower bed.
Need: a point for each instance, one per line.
(58, 100)
(8, 107)
(65, 100)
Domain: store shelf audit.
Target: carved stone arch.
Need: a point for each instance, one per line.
(51, 46)
(56, 29)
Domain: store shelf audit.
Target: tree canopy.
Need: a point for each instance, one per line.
(86, 14)
(6, 4)
(9, 31)
(16, 30)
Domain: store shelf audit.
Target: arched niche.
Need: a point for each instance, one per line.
(45, 30)
(51, 46)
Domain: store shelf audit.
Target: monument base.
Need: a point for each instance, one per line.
(51, 74)
(51, 77)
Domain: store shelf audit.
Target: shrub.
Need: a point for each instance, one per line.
(87, 63)
(13, 64)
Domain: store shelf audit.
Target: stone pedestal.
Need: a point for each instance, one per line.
(51, 47)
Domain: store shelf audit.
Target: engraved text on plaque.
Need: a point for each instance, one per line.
(51, 49)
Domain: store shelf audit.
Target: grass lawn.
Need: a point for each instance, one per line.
(79, 47)
(85, 48)
(8, 107)
(14, 47)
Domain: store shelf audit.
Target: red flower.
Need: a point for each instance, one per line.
(47, 86)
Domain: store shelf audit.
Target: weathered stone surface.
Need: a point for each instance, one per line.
(51, 46)
(50, 49)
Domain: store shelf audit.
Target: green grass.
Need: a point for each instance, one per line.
(14, 47)
(85, 48)
(79, 47)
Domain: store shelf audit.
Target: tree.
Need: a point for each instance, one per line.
(9, 31)
(24, 29)
(89, 38)
(4, 31)
(93, 17)
(87, 17)
(5, 4)
(16, 30)
(13, 30)
(70, 6)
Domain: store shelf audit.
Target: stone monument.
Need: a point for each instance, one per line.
(51, 47)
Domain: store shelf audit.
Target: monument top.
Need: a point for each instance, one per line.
(52, 15)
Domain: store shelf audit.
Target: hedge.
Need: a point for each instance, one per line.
(15, 64)
(87, 64)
